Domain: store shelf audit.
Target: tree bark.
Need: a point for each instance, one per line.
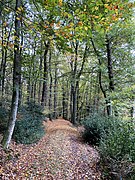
(50, 88)
(108, 106)
(40, 72)
(20, 78)
(75, 78)
(110, 67)
(16, 74)
(110, 71)
(45, 77)
(4, 57)
(55, 91)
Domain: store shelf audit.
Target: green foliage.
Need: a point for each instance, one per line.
(116, 143)
(117, 149)
(119, 142)
(29, 129)
(3, 118)
(95, 127)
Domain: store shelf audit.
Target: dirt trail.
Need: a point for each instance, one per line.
(59, 155)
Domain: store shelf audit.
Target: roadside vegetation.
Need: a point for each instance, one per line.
(115, 140)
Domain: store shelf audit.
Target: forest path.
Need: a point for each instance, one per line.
(59, 155)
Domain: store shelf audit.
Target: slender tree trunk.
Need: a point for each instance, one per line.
(110, 67)
(73, 86)
(20, 78)
(77, 102)
(108, 106)
(74, 98)
(55, 91)
(75, 81)
(63, 101)
(71, 101)
(104, 93)
(50, 88)
(40, 72)
(67, 100)
(34, 90)
(45, 77)
(29, 81)
(110, 71)
(34, 79)
(28, 89)
(16, 74)
(2, 60)
(4, 57)
(133, 111)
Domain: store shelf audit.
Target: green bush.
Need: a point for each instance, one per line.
(4, 114)
(120, 142)
(95, 128)
(29, 129)
(116, 144)
(117, 149)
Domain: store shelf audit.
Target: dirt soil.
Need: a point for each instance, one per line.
(59, 155)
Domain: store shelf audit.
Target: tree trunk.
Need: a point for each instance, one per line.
(16, 74)
(45, 77)
(63, 101)
(28, 89)
(73, 85)
(110, 71)
(40, 72)
(133, 111)
(55, 92)
(50, 88)
(20, 78)
(108, 106)
(4, 57)
(110, 68)
(2, 64)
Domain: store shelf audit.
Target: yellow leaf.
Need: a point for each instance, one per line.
(1, 170)
(80, 23)
(60, 2)
(6, 9)
(18, 18)
(106, 5)
(19, 9)
(5, 24)
(86, 28)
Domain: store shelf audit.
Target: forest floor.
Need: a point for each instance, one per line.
(59, 155)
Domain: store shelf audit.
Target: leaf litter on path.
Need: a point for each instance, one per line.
(59, 155)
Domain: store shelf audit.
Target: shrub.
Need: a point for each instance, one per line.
(117, 149)
(29, 129)
(116, 143)
(4, 113)
(120, 142)
(95, 127)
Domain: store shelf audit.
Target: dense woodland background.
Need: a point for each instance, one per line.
(75, 59)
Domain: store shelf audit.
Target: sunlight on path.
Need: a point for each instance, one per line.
(59, 155)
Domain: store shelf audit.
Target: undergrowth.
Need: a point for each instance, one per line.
(115, 140)
(29, 128)
(4, 113)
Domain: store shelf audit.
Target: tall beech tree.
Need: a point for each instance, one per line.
(16, 78)
(45, 77)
